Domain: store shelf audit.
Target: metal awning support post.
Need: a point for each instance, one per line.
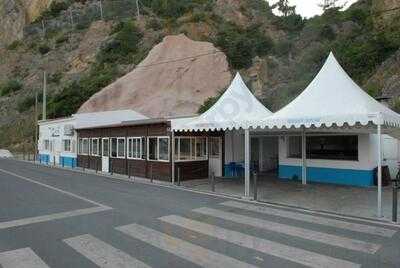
(303, 157)
(173, 156)
(247, 163)
(379, 149)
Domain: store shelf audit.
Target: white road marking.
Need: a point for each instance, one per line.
(51, 217)
(21, 258)
(188, 251)
(304, 257)
(101, 253)
(320, 237)
(356, 227)
(55, 216)
(55, 189)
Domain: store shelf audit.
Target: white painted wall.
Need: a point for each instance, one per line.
(390, 152)
(53, 130)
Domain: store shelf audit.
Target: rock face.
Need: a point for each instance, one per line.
(175, 78)
(387, 12)
(14, 15)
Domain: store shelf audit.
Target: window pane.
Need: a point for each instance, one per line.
(105, 147)
(193, 148)
(176, 149)
(121, 147)
(185, 148)
(200, 148)
(94, 147)
(294, 149)
(153, 148)
(129, 148)
(144, 148)
(164, 149)
(136, 148)
(114, 147)
(85, 146)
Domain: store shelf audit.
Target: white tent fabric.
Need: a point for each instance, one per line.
(107, 118)
(332, 98)
(235, 109)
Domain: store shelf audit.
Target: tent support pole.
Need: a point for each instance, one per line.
(379, 213)
(173, 157)
(247, 163)
(303, 157)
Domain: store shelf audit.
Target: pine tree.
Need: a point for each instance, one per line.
(284, 7)
(329, 4)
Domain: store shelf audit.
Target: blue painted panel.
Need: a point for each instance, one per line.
(67, 161)
(44, 158)
(352, 177)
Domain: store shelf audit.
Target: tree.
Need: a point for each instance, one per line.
(329, 4)
(284, 7)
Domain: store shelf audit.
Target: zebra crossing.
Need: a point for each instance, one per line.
(202, 222)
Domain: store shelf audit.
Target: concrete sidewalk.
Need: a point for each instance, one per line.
(347, 200)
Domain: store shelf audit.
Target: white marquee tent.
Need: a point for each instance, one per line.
(332, 102)
(236, 109)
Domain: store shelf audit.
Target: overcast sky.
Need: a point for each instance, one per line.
(310, 8)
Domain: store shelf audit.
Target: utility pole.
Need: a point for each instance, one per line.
(137, 9)
(101, 10)
(44, 95)
(36, 128)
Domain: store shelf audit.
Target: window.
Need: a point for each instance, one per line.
(84, 146)
(66, 145)
(106, 147)
(190, 148)
(134, 148)
(163, 149)
(294, 147)
(325, 147)
(114, 147)
(94, 146)
(121, 148)
(47, 145)
(158, 148)
(144, 148)
(332, 147)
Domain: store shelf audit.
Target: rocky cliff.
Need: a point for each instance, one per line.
(15, 14)
(176, 77)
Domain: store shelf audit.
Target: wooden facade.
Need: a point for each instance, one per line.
(157, 170)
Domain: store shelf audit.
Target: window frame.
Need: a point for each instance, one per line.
(91, 146)
(130, 139)
(322, 159)
(118, 139)
(158, 149)
(108, 149)
(64, 143)
(193, 151)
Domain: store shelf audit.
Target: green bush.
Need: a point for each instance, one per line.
(14, 45)
(54, 10)
(123, 46)
(291, 23)
(242, 45)
(26, 104)
(61, 39)
(154, 24)
(327, 33)
(10, 86)
(396, 105)
(44, 49)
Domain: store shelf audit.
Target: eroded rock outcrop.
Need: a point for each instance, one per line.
(175, 78)
(15, 14)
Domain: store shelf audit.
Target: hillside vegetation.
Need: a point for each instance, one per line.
(278, 55)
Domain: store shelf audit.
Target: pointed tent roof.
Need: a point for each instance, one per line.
(332, 98)
(236, 108)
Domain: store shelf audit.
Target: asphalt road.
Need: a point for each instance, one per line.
(59, 218)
